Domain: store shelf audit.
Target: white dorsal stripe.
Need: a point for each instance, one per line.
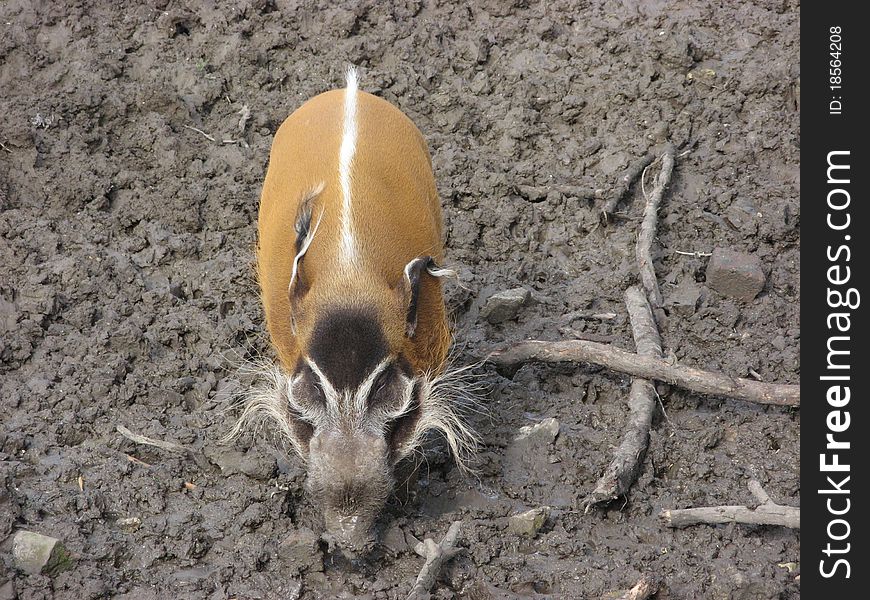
(345, 167)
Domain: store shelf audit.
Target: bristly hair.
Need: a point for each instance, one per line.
(265, 401)
(268, 406)
(448, 399)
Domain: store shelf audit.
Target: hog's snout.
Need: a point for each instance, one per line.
(352, 533)
(350, 475)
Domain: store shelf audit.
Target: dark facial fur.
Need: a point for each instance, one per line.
(353, 411)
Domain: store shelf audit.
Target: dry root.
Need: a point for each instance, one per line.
(766, 513)
(436, 555)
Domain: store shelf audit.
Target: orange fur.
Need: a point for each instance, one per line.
(396, 215)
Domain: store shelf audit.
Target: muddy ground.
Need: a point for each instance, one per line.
(127, 293)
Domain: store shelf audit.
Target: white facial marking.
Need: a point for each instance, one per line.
(362, 392)
(354, 406)
(332, 396)
(345, 167)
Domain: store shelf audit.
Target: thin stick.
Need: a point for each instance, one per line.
(136, 438)
(436, 555)
(138, 461)
(648, 227)
(766, 513)
(647, 367)
(245, 114)
(2, 145)
(587, 315)
(624, 183)
(199, 131)
(646, 588)
(628, 458)
(695, 254)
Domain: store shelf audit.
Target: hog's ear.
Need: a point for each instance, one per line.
(305, 231)
(409, 288)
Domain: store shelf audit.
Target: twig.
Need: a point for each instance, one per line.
(2, 145)
(436, 555)
(575, 190)
(647, 367)
(623, 185)
(647, 232)
(756, 375)
(142, 439)
(245, 113)
(623, 470)
(766, 513)
(136, 438)
(647, 587)
(199, 131)
(138, 461)
(587, 315)
(695, 254)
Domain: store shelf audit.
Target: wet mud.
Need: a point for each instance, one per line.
(128, 199)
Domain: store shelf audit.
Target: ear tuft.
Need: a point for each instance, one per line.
(304, 236)
(413, 272)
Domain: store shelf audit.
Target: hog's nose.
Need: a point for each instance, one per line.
(352, 533)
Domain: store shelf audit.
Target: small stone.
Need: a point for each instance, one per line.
(394, 540)
(735, 274)
(741, 214)
(504, 306)
(530, 522)
(7, 591)
(37, 300)
(683, 299)
(252, 463)
(779, 343)
(130, 524)
(291, 590)
(35, 553)
(300, 551)
(545, 431)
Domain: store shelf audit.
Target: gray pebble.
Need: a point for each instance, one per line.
(504, 306)
(35, 553)
(735, 274)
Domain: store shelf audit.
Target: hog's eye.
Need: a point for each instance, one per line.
(386, 390)
(307, 389)
(401, 431)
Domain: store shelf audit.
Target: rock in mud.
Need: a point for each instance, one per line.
(683, 299)
(7, 591)
(129, 524)
(735, 274)
(545, 431)
(504, 306)
(35, 553)
(530, 522)
(394, 540)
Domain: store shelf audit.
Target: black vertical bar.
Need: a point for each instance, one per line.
(835, 426)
